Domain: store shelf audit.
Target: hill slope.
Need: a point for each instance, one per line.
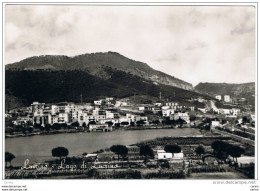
(95, 64)
(60, 86)
(246, 90)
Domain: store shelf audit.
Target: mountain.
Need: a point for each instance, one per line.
(246, 90)
(95, 64)
(59, 86)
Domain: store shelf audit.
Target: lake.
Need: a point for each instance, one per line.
(38, 148)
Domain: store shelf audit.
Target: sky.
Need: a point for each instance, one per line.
(192, 43)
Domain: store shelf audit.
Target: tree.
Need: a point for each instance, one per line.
(235, 151)
(132, 124)
(219, 146)
(91, 122)
(36, 125)
(200, 150)
(75, 124)
(63, 125)
(139, 123)
(8, 158)
(156, 122)
(145, 150)
(120, 150)
(124, 123)
(30, 129)
(192, 117)
(180, 121)
(172, 148)
(48, 127)
(84, 125)
(245, 120)
(220, 149)
(60, 152)
(56, 126)
(109, 123)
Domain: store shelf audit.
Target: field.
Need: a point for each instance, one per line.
(217, 175)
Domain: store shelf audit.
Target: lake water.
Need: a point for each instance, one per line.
(38, 148)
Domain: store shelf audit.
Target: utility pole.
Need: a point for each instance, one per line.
(160, 95)
(81, 98)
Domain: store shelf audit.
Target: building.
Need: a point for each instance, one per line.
(218, 97)
(215, 124)
(225, 111)
(227, 98)
(162, 154)
(98, 102)
(235, 111)
(203, 110)
(37, 109)
(167, 112)
(100, 127)
(184, 116)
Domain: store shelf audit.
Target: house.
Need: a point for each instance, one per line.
(227, 98)
(167, 112)
(218, 97)
(203, 110)
(162, 154)
(158, 104)
(215, 124)
(178, 156)
(225, 111)
(98, 102)
(141, 108)
(100, 127)
(185, 116)
(235, 111)
(37, 108)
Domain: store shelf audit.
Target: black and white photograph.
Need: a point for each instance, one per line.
(130, 91)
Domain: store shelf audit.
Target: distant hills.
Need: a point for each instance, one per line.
(95, 64)
(245, 90)
(59, 86)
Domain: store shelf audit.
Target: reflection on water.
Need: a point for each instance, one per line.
(38, 148)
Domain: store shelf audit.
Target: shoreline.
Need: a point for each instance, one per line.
(8, 136)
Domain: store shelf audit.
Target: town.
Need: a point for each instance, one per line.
(226, 131)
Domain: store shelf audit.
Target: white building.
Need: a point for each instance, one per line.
(97, 102)
(164, 155)
(218, 97)
(99, 127)
(185, 116)
(203, 110)
(225, 111)
(227, 98)
(167, 112)
(215, 124)
(235, 111)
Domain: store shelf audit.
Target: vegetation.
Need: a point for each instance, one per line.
(245, 90)
(200, 150)
(53, 86)
(120, 150)
(145, 150)
(172, 148)
(223, 149)
(60, 152)
(8, 158)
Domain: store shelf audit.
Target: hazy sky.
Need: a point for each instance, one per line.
(193, 43)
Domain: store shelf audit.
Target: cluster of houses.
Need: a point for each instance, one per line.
(102, 114)
(227, 112)
(231, 100)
